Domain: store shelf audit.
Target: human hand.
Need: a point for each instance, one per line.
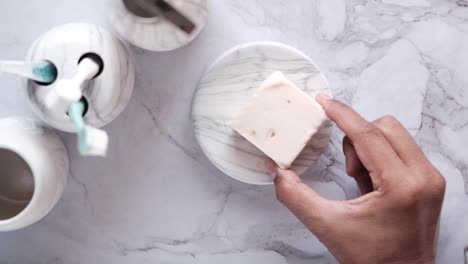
(396, 218)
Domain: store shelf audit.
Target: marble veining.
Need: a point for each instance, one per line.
(157, 199)
(224, 91)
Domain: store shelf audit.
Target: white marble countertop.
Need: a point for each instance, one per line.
(157, 199)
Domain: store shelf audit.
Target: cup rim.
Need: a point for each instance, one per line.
(143, 20)
(26, 210)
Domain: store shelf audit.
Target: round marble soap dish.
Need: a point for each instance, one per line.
(225, 89)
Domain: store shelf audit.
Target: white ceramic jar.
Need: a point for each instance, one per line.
(33, 172)
(155, 33)
(106, 95)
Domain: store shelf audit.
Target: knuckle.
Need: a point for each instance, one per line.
(436, 187)
(336, 106)
(417, 192)
(370, 130)
(388, 120)
(429, 190)
(440, 184)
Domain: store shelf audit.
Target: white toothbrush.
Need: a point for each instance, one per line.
(65, 96)
(40, 71)
(65, 92)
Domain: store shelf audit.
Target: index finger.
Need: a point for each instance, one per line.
(375, 152)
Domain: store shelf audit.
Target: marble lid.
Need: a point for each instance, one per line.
(155, 33)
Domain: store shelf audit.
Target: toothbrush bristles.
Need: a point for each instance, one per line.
(99, 141)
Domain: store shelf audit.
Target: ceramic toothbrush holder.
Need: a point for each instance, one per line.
(106, 95)
(155, 33)
(33, 172)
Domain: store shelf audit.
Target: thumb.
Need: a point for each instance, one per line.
(314, 211)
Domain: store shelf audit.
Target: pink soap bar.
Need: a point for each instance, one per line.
(280, 119)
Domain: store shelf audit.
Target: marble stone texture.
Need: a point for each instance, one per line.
(228, 86)
(157, 199)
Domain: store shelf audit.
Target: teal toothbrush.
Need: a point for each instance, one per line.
(40, 71)
(91, 141)
(65, 96)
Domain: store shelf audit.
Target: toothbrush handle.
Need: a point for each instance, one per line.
(87, 70)
(15, 67)
(40, 71)
(67, 91)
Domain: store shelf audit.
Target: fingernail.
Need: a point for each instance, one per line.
(323, 97)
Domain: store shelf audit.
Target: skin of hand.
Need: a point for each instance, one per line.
(396, 218)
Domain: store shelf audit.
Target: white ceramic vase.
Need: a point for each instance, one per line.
(106, 95)
(33, 172)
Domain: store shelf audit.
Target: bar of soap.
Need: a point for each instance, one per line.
(280, 119)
